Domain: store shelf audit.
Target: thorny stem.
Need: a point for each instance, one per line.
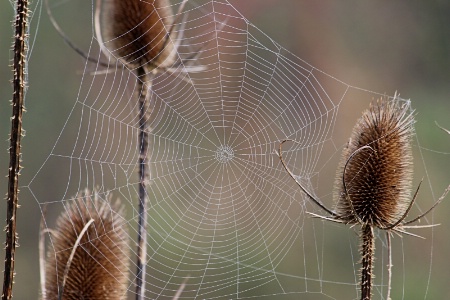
(19, 62)
(367, 251)
(144, 179)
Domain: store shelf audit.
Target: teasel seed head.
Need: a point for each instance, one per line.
(373, 183)
(99, 268)
(135, 31)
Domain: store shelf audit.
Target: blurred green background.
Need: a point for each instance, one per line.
(384, 46)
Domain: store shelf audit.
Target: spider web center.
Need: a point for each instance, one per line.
(224, 154)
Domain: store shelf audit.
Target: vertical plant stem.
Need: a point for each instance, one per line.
(144, 179)
(367, 251)
(19, 62)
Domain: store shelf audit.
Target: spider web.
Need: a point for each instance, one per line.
(225, 219)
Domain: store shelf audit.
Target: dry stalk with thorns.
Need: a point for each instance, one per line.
(12, 196)
(374, 180)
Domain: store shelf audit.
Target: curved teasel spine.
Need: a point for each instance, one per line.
(377, 178)
(99, 268)
(137, 32)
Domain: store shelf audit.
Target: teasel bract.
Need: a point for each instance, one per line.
(99, 267)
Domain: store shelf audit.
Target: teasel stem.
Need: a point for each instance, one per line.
(144, 179)
(20, 55)
(367, 252)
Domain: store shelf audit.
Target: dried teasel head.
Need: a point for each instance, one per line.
(99, 268)
(137, 32)
(373, 183)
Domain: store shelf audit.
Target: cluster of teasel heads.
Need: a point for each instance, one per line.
(374, 180)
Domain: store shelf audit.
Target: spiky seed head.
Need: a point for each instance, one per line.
(135, 31)
(378, 179)
(99, 269)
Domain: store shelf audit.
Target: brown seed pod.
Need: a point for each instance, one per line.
(373, 183)
(99, 268)
(137, 32)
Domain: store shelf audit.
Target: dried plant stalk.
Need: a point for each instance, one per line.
(144, 179)
(19, 63)
(99, 267)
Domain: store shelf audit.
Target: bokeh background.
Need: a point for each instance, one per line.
(384, 46)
